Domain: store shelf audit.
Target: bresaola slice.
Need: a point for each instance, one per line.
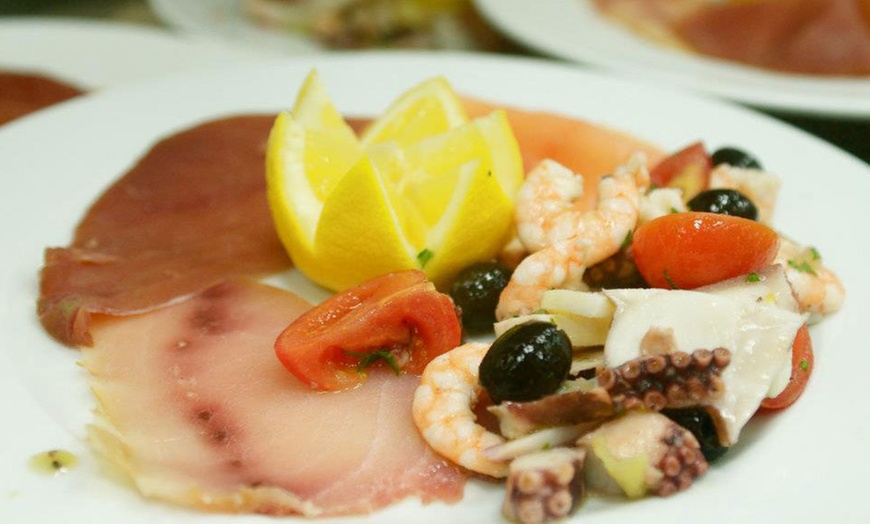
(191, 213)
(817, 37)
(195, 407)
(813, 37)
(23, 93)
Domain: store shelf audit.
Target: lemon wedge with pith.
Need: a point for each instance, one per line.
(422, 188)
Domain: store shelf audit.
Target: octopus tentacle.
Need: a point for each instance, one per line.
(545, 485)
(673, 380)
(653, 382)
(681, 464)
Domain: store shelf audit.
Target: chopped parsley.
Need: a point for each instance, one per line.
(423, 257)
(803, 267)
(753, 277)
(805, 364)
(627, 240)
(674, 210)
(369, 358)
(668, 280)
(815, 253)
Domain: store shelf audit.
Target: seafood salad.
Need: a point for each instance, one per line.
(550, 304)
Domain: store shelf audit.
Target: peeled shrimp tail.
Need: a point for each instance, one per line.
(558, 266)
(568, 240)
(443, 410)
(817, 289)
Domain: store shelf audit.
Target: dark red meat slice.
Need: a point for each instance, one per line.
(821, 37)
(23, 93)
(191, 213)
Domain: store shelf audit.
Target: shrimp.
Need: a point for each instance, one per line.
(817, 289)
(443, 410)
(564, 240)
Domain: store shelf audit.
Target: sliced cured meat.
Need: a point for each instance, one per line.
(820, 37)
(652, 19)
(23, 93)
(590, 149)
(195, 407)
(193, 211)
(189, 214)
(816, 37)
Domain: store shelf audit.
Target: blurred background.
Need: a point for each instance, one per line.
(466, 29)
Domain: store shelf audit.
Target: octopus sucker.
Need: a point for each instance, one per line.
(642, 452)
(653, 382)
(544, 486)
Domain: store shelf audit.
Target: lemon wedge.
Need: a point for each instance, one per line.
(428, 109)
(423, 188)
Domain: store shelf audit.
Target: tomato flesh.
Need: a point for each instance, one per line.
(801, 368)
(693, 249)
(687, 169)
(398, 315)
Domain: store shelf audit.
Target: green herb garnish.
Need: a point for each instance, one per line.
(668, 280)
(815, 253)
(805, 365)
(423, 257)
(627, 240)
(753, 277)
(369, 358)
(803, 267)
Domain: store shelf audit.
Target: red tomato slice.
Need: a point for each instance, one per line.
(801, 368)
(687, 169)
(693, 249)
(398, 319)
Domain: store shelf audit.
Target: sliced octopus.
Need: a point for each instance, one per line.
(653, 382)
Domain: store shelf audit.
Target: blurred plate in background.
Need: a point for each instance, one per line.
(575, 30)
(93, 54)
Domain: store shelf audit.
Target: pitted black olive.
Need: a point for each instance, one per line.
(476, 291)
(527, 362)
(700, 424)
(724, 202)
(735, 157)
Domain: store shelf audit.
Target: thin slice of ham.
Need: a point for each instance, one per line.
(189, 214)
(820, 37)
(817, 37)
(198, 411)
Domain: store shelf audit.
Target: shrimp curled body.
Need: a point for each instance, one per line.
(563, 238)
(817, 289)
(443, 410)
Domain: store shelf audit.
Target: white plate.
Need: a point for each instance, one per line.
(574, 30)
(806, 463)
(225, 19)
(94, 54)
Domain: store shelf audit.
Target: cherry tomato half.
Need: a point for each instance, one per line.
(398, 319)
(693, 249)
(801, 368)
(687, 169)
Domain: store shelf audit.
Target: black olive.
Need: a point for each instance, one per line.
(700, 424)
(735, 157)
(526, 362)
(476, 291)
(724, 202)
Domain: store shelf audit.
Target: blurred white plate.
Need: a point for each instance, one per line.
(225, 19)
(95, 54)
(575, 30)
(802, 465)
